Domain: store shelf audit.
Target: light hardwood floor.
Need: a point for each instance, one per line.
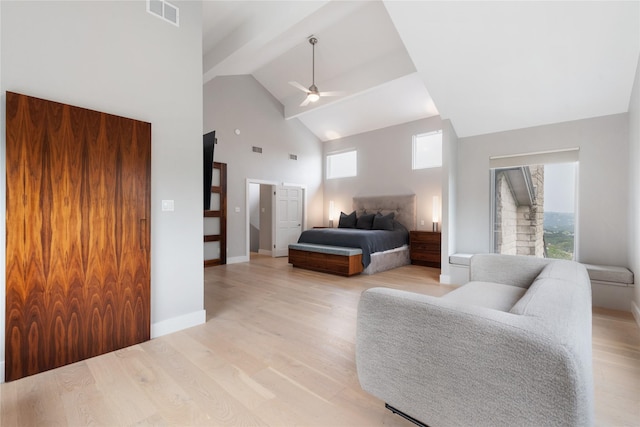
(277, 350)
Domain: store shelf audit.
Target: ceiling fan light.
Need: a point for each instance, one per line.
(313, 97)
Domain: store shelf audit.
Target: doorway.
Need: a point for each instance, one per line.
(260, 218)
(262, 230)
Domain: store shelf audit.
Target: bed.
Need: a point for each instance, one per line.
(349, 251)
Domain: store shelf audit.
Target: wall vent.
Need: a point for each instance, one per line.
(164, 10)
(293, 157)
(257, 150)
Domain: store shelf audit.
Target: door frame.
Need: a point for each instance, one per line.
(247, 213)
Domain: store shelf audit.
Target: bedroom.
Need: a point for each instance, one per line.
(389, 148)
(37, 63)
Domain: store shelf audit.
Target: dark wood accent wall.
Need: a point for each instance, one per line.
(78, 234)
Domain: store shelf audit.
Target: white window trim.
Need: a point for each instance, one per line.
(569, 155)
(413, 150)
(336, 153)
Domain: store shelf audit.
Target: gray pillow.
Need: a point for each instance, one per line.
(365, 222)
(383, 222)
(347, 221)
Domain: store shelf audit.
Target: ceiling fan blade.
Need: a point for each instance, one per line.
(332, 93)
(305, 102)
(299, 86)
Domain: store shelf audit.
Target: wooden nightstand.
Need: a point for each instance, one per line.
(425, 248)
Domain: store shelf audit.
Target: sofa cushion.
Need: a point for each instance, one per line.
(487, 294)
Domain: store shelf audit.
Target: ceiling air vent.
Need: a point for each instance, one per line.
(293, 157)
(257, 150)
(164, 10)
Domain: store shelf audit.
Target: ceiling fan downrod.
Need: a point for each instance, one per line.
(313, 94)
(313, 42)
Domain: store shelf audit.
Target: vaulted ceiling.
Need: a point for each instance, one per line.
(486, 66)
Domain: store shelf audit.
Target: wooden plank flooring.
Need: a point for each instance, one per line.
(277, 350)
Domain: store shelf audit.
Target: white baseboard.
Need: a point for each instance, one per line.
(179, 323)
(237, 259)
(159, 329)
(264, 252)
(635, 310)
(445, 279)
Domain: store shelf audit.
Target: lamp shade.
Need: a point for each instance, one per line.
(436, 209)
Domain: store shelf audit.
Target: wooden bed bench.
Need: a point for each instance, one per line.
(326, 259)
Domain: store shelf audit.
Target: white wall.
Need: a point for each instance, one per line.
(603, 183)
(240, 102)
(634, 189)
(117, 58)
(384, 168)
(449, 199)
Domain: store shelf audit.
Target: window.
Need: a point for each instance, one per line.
(534, 208)
(427, 150)
(342, 165)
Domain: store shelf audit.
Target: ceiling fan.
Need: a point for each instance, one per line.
(313, 94)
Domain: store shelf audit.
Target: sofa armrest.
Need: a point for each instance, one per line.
(446, 363)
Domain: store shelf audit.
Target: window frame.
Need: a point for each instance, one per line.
(334, 155)
(414, 148)
(499, 163)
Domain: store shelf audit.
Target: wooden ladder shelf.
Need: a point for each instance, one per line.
(221, 213)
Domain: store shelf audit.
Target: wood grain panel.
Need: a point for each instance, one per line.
(78, 197)
(343, 265)
(425, 248)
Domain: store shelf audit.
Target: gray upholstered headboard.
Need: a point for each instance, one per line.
(403, 206)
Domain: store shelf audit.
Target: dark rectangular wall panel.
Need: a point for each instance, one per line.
(78, 234)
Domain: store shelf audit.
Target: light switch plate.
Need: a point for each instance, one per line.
(167, 205)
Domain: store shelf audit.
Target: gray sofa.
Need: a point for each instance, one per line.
(512, 347)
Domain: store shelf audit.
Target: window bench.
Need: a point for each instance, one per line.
(459, 268)
(610, 275)
(326, 259)
(611, 286)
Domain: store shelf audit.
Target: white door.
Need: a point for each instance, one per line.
(288, 215)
